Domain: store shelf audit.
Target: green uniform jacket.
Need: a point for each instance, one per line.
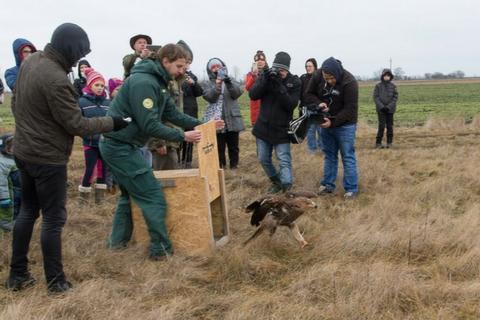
(145, 98)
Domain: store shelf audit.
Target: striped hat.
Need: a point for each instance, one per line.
(92, 76)
(282, 61)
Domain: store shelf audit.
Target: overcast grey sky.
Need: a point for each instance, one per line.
(420, 36)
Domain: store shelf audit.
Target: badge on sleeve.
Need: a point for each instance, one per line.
(148, 103)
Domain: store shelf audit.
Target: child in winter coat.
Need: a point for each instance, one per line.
(385, 96)
(93, 103)
(10, 191)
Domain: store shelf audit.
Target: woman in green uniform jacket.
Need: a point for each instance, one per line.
(144, 97)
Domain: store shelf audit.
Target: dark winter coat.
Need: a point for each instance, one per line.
(190, 94)
(46, 111)
(11, 73)
(93, 107)
(305, 79)
(231, 108)
(81, 81)
(385, 94)
(342, 99)
(2, 88)
(279, 99)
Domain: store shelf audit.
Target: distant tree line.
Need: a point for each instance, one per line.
(401, 75)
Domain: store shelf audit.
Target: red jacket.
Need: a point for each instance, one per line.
(254, 104)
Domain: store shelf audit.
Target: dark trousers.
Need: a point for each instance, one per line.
(187, 155)
(385, 119)
(44, 187)
(93, 159)
(228, 140)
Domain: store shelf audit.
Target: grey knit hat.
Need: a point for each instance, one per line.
(282, 61)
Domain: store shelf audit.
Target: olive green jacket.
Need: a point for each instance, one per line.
(145, 98)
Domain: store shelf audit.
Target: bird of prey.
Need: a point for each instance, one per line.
(272, 211)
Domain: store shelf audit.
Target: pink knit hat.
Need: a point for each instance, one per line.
(92, 76)
(113, 83)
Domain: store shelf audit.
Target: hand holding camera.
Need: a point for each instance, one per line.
(222, 73)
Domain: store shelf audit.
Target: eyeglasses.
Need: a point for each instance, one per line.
(259, 59)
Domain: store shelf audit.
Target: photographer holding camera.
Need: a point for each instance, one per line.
(222, 94)
(280, 92)
(335, 90)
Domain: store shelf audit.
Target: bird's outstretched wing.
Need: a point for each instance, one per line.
(261, 207)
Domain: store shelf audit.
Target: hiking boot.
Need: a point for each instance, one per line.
(59, 287)
(286, 187)
(84, 196)
(17, 283)
(100, 189)
(276, 186)
(379, 146)
(324, 190)
(158, 258)
(349, 195)
(389, 145)
(6, 225)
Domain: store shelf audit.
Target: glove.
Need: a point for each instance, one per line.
(5, 203)
(227, 80)
(119, 123)
(384, 109)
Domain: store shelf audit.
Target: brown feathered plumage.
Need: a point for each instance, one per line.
(269, 212)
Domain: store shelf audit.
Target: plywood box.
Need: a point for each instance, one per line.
(197, 213)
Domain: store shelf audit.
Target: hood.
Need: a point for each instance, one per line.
(386, 71)
(6, 144)
(82, 62)
(18, 46)
(212, 75)
(71, 42)
(333, 67)
(152, 67)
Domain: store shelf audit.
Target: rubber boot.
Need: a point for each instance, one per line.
(276, 186)
(100, 189)
(84, 196)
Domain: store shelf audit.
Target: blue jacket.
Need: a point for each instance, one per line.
(93, 107)
(11, 74)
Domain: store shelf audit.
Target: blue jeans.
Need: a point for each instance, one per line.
(314, 139)
(340, 139)
(284, 157)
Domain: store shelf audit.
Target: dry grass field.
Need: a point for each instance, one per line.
(407, 248)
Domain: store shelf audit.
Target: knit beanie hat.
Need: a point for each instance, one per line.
(281, 61)
(113, 83)
(92, 76)
(187, 49)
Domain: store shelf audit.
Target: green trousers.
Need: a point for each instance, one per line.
(136, 182)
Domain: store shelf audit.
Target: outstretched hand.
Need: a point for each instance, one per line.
(219, 124)
(193, 136)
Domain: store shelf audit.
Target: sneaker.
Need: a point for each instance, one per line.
(324, 190)
(379, 146)
(158, 258)
(349, 195)
(17, 283)
(59, 287)
(286, 187)
(274, 188)
(389, 145)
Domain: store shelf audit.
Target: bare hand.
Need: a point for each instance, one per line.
(326, 124)
(219, 124)
(324, 107)
(193, 136)
(162, 150)
(145, 53)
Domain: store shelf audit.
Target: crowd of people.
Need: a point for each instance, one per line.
(146, 122)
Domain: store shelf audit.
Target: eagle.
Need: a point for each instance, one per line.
(272, 211)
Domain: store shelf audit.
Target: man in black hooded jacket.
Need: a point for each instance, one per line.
(336, 91)
(47, 117)
(385, 96)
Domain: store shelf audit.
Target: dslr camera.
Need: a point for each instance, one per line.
(272, 72)
(315, 113)
(222, 73)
